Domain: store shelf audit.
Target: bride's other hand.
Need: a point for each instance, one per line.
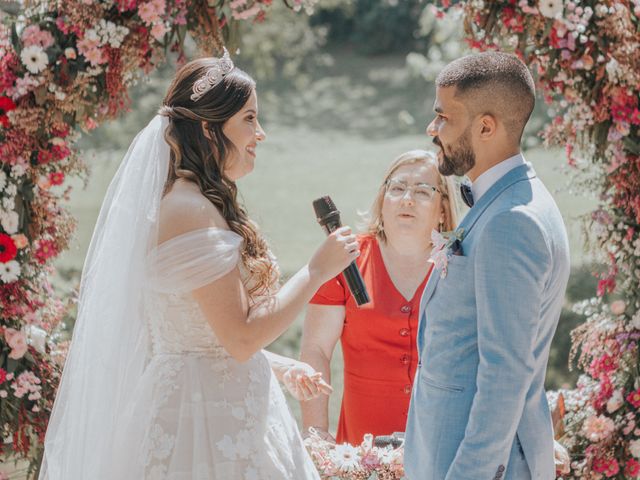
(304, 383)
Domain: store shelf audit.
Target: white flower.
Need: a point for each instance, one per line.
(34, 58)
(551, 8)
(9, 221)
(615, 402)
(3, 180)
(634, 448)
(345, 457)
(9, 271)
(36, 337)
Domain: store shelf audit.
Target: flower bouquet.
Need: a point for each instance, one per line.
(362, 462)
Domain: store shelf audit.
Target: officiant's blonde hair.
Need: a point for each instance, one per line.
(446, 185)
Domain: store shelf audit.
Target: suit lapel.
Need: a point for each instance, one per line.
(518, 174)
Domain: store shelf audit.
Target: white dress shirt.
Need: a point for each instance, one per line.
(495, 173)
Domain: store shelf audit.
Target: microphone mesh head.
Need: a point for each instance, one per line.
(324, 206)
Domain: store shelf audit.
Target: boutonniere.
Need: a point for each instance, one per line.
(445, 244)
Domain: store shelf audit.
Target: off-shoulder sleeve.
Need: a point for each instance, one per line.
(192, 260)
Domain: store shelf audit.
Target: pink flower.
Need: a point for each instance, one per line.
(618, 307)
(95, 56)
(150, 12)
(158, 31)
(45, 250)
(17, 342)
(86, 44)
(634, 398)
(598, 428)
(32, 35)
(608, 466)
(632, 468)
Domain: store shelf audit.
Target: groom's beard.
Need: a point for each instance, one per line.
(462, 158)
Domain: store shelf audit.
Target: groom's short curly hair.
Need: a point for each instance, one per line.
(495, 83)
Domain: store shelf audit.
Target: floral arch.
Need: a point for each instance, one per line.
(66, 67)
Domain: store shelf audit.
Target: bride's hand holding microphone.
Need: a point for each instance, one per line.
(335, 254)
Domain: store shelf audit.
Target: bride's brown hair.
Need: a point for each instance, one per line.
(202, 160)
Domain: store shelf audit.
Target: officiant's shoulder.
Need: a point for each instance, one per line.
(184, 209)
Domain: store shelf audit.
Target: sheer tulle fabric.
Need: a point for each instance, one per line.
(194, 259)
(148, 392)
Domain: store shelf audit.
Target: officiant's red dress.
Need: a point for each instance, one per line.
(379, 348)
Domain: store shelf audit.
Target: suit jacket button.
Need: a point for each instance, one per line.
(501, 468)
(405, 359)
(407, 389)
(405, 309)
(404, 332)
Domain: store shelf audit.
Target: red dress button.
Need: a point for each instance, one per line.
(405, 359)
(407, 389)
(405, 309)
(404, 332)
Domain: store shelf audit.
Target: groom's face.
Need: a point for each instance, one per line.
(451, 132)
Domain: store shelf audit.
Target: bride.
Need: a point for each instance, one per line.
(166, 377)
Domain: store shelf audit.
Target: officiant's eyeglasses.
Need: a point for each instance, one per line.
(421, 191)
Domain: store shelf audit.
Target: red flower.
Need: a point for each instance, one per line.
(634, 398)
(60, 152)
(8, 249)
(608, 466)
(56, 178)
(6, 105)
(3, 377)
(632, 468)
(44, 157)
(46, 249)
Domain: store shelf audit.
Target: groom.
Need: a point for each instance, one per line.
(489, 311)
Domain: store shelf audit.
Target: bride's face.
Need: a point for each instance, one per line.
(244, 131)
(411, 206)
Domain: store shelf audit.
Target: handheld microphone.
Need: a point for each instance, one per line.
(329, 219)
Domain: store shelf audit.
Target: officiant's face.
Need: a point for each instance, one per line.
(244, 131)
(412, 212)
(451, 132)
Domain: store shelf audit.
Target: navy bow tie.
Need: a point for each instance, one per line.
(467, 194)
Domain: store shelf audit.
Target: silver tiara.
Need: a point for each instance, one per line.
(213, 76)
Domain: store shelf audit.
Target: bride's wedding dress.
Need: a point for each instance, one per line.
(147, 391)
(197, 413)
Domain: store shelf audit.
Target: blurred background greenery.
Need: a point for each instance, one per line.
(341, 94)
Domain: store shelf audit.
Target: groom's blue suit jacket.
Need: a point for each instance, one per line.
(483, 340)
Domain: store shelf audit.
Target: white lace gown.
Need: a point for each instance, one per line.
(197, 413)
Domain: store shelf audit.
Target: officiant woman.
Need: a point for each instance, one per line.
(379, 339)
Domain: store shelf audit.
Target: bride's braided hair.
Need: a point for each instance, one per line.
(202, 161)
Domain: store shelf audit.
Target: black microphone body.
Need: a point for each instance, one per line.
(329, 219)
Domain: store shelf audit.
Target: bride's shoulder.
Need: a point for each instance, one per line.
(184, 209)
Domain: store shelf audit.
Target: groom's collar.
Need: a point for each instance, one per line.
(519, 173)
(484, 182)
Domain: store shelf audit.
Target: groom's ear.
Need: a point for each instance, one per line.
(488, 126)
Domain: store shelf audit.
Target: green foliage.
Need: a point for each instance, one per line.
(373, 27)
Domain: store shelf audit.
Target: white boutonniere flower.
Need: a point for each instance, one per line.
(445, 244)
